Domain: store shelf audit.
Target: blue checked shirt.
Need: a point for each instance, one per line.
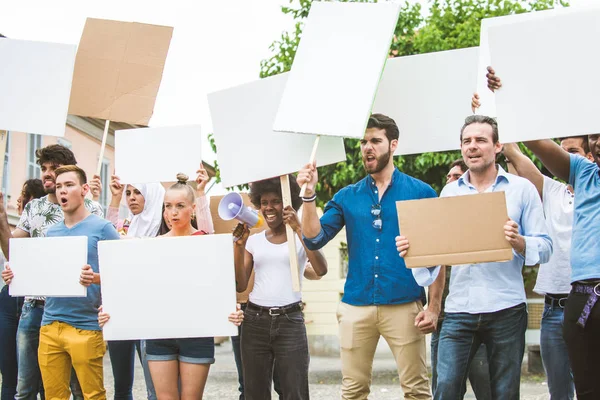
(377, 275)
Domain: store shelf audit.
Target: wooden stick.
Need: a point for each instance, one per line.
(291, 235)
(313, 155)
(102, 147)
(3, 139)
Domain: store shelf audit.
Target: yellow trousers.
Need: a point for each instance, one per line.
(360, 329)
(63, 346)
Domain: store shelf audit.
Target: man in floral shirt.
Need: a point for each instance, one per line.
(38, 216)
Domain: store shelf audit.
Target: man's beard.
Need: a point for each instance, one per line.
(382, 162)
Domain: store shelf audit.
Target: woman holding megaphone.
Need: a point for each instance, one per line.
(273, 326)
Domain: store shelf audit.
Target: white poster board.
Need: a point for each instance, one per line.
(35, 85)
(157, 154)
(248, 149)
(429, 96)
(49, 266)
(548, 68)
(337, 68)
(166, 278)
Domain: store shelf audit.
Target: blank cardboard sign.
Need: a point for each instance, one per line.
(248, 148)
(439, 234)
(549, 75)
(172, 275)
(429, 96)
(35, 84)
(157, 154)
(49, 266)
(118, 70)
(336, 69)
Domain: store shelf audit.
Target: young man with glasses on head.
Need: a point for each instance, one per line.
(381, 296)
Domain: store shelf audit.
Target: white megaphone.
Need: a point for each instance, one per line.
(232, 206)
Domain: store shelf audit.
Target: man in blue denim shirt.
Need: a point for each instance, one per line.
(381, 297)
(487, 300)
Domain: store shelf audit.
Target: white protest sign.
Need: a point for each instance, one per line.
(429, 96)
(337, 68)
(549, 80)
(248, 149)
(157, 154)
(169, 276)
(35, 85)
(49, 266)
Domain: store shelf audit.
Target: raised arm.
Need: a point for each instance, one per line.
(524, 166)
(311, 226)
(552, 156)
(5, 233)
(243, 260)
(203, 216)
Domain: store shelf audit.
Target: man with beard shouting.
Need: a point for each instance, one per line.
(381, 296)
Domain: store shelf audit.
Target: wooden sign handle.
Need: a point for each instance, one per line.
(102, 147)
(313, 155)
(291, 235)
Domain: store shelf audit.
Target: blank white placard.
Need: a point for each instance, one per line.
(248, 149)
(157, 154)
(49, 266)
(429, 96)
(35, 85)
(336, 68)
(549, 75)
(173, 287)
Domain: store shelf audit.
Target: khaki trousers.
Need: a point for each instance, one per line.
(360, 329)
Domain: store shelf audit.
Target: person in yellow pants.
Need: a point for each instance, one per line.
(70, 335)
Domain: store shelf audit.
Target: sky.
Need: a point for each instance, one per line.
(216, 44)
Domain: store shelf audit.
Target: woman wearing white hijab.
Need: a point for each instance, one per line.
(144, 201)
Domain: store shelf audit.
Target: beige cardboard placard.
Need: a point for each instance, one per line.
(118, 69)
(455, 230)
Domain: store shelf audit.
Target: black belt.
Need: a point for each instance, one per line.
(556, 300)
(275, 311)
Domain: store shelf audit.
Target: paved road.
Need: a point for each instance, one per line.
(325, 378)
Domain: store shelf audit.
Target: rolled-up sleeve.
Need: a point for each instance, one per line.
(425, 276)
(538, 244)
(332, 222)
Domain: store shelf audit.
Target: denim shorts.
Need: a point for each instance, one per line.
(188, 350)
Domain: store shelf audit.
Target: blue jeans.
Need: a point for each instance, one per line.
(479, 374)
(10, 309)
(29, 382)
(502, 332)
(122, 360)
(555, 356)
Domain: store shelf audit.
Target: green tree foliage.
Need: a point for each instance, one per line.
(450, 24)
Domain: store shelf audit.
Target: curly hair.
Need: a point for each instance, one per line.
(273, 185)
(55, 154)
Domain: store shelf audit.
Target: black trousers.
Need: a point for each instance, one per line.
(583, 345)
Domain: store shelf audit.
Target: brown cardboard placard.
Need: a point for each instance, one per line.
(455, 230)
(222, 226)
(118, 69)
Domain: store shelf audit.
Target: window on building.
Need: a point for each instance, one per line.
(105, 178)
(34, 142)
(6, 174)
(66, 143)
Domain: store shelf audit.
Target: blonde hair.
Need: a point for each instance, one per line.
(72, 168)
(183, 185)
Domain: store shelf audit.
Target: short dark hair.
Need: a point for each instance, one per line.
(273, 185)
(55, 154)
(32, 189)
(460, 163)
(584, 142)
(72, 168)
(384, 122)
(481, 119)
